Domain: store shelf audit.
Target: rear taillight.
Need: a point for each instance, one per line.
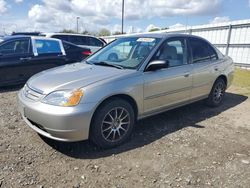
(87, 52)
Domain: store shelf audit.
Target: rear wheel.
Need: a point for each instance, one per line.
(112, 124)
(217, 93)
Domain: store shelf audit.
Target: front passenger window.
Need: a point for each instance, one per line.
(173, 52)
(15, 47)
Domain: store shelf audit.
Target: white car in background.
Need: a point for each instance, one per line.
(85, 41)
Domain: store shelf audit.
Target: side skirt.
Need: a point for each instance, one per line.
(164, 109)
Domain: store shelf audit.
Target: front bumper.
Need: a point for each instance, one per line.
(58, 123)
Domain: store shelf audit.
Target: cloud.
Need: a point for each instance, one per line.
(133, 29)
(177, 25)
(3, 6)
(60, 5)
(55, 15)
(220, 20)
(184, 7)
(40, 14)
(18, 1)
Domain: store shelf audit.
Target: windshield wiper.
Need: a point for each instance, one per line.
(103, 63)
(88, 62)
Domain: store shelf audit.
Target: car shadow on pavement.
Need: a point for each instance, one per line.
(5, 89)
(151, 129)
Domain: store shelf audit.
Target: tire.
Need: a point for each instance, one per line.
(217, 94)
(112, 123)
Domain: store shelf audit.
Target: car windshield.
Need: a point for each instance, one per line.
(126, 53)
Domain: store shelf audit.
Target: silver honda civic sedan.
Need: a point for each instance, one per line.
(131, 78)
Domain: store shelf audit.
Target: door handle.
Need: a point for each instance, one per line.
(216, 68)
(25, 58)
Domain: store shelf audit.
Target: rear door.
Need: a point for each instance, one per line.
(204, 60)
(48, 53)
(13, 56)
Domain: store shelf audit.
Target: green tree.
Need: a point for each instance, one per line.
(118, 33)
(67, 31)
(154, 29)
(104, 32)
(86, 32)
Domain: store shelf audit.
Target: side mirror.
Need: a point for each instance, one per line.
(157, 65)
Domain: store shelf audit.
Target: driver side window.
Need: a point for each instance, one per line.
(15, 47)
(173, 51)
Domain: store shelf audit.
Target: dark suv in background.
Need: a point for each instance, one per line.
(87, 41)
(23, 56)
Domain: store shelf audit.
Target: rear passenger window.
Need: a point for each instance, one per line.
(61, 37)
(212, 53)
(202, 51)
(78, 40)
(95, 42)
(47, 46)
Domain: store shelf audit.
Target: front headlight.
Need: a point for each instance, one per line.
(64, 98)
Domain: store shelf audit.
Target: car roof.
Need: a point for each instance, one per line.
(26, 33)
(15, 37)
(158, 35)
(71, 34)
(163, 36)
(27, 36)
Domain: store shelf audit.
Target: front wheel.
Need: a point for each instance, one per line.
(112, 124)
(217, 93)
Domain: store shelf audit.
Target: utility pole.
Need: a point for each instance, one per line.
(77, 18)
(122, 16)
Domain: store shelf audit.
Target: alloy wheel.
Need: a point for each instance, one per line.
(115, 124)
(219, 91)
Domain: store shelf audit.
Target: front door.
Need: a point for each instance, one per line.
(13, 55)
(170, 86)
(47, 54)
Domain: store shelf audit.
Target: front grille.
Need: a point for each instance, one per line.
(31, 93)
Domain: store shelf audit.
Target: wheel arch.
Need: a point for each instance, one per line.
(125, 97)
(223, 77)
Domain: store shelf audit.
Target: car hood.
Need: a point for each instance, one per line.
(72, 76)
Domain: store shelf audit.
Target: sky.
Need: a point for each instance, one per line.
(140, 15)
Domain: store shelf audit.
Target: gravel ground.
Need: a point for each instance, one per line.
(192, 146)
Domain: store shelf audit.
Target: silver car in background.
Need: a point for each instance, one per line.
(129, 79)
